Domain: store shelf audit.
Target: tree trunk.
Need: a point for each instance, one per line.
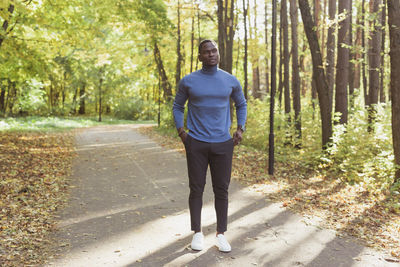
(374, 55)
(358, 53)
(100, 96)
(382, 96)
(178, 48)
(330, 44)
(295, 72)
(245, 10)
(286, 58)
(364, 61)
(5, 23)
(317, 13)
(198, 31)
(2, 99)
(266, 47)
(255, 57)
(342, 65)
(394, 30)
(280, 85)
(165, 85)
(226, 32)
(192, 45)
(82, 99)
(319, 73)
(351, 55)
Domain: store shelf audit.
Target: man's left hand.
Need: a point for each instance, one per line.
(237, 136)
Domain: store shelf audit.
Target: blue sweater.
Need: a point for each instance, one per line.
(208, 91)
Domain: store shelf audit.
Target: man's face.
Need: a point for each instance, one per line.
(209, 54)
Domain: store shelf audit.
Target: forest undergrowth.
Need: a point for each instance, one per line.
(350, 209)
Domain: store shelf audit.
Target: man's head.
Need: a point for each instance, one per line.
(208, 53)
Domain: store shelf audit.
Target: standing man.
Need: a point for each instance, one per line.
(208, 141)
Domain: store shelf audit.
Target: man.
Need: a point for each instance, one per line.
(208, 141)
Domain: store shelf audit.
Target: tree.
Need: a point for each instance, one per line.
(330, 45)
(286, 57)
(255, 56)
(295, 72)
(245, 11)
(318, 73)
(226, 32)
(394, 30)
(374, 56)
(178, 47)
(342, 65)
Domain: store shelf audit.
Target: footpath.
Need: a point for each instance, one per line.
(128, 207)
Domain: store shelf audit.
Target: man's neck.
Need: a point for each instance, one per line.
(209, 69)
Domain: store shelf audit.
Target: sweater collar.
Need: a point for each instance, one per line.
(209, 69)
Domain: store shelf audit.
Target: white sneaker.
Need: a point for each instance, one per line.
(197, 241)
(223, 244)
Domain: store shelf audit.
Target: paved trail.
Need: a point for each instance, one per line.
(128, 207)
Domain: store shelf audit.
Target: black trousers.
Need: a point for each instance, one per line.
(218, 156)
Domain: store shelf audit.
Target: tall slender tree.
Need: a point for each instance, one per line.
(266, 46)
(331, 48)
(178, 46)
(318, 72)
(226, 33)
(286, 57)
(342, 65)
(245, 11)
(295, 72)
(374, 56)
(394, 30)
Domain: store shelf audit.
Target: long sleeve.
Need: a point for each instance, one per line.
(240, 104)
(178, 108)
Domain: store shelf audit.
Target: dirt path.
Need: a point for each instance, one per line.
(128, 207)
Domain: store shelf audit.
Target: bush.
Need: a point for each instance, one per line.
(135, 109)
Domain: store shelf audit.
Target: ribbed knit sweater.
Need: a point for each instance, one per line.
(208, 92)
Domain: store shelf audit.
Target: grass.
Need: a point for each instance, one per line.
(55, 124)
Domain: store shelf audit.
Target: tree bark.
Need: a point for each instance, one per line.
(245, 10)
(358, 54)
(165, 85)
(286, 58)
(394, 30)
(331, 48)
(178, 48)
(226, 32)
(319, 73)
(266, 47)
(351, 56)
(192, 45)
(364, 61)
(374, 55)
(342, 65)
(255, 57)
(82, 92)
(295, 72)
(382, 95)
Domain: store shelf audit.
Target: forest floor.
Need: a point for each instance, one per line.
(35, 183)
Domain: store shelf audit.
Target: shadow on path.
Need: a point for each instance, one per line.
(128, 207)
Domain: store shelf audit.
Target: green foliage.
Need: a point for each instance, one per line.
(135, 109)
(46, 124)
(359, 156)
(355, 155)
(32, 100)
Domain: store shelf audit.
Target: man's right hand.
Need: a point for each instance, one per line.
(182, 134)
(183, 137)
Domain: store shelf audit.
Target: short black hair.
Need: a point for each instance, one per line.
(206, 41)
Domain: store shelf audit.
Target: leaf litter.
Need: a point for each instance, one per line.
(33, 183)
